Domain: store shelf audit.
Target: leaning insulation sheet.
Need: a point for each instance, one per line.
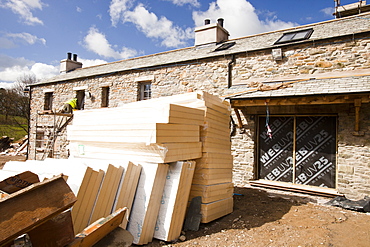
(147, 201)
(174, 200)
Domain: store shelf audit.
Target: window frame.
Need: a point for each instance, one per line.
(143, 91)
(308, 34)
(48, 101)
(105, 96)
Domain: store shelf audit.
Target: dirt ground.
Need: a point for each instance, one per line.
(264, 217)
(273, 218)
(6, 158)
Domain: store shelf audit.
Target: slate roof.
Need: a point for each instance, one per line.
(337, 27)
(341, 85)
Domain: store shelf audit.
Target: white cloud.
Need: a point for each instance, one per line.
(6, 85)
(91, 62)
(159, 28)
(195, 3)
(328, 11)
(24, 9)
(117, 8)
(97, 42)
(28, 38)
(240, 18)
(13, 68)
(44, 71)
(78, 9)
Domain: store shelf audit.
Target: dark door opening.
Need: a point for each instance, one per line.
(300, 150)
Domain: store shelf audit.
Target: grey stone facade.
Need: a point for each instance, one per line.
(337, 51)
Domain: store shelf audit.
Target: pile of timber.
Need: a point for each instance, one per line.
(34, 213)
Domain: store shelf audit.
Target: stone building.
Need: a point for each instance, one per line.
(300, 100)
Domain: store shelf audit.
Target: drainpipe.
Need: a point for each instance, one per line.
(230, 71)
(29, 122)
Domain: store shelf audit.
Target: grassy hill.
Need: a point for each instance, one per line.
(10, 127)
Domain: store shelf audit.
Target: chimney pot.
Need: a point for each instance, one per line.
(69, 55)
(75, 57)
(220, 22)
(207, 21)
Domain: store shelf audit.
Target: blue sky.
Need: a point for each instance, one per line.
(36, 34)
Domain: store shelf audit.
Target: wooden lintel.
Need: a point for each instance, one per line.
(306, 100)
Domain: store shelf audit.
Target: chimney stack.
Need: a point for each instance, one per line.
(67, 65)
(220, 22)
(211, 33)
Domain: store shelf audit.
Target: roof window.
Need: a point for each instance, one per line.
(225, 46)
(295, 36)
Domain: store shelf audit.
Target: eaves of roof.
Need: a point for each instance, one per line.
(306, 87)
(323, 30)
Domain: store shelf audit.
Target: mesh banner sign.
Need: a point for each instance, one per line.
(315, 149)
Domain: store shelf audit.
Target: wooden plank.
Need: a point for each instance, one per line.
(212, 176)
(133, 127)
(82, 217)
(214, 210)
(161, 113)
(212, 115)
(211, 193)
(57, 231)
(18, 182)
(174, 200)
(216, 149)
(104, 202)
(216, 158)
(127, 189)
(81, 195)
(99, 229)
(111, 137)
(161, 153)
(32, 206)
(147, 202)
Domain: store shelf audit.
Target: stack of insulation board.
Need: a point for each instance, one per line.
(213, 174)
(157, 132)
(160, 134)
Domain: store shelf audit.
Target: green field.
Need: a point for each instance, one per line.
(10, 127)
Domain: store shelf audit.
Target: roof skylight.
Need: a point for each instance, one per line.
(294, 36)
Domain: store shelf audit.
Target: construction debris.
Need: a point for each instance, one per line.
(33, 206)
(150, 157)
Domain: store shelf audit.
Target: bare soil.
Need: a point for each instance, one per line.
(264, 217)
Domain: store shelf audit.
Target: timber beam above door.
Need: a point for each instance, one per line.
(301, 100)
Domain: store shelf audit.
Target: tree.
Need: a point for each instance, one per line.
(14, 102)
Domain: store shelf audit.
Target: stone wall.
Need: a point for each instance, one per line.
(354, 154)
(311, 58)
(211, 75)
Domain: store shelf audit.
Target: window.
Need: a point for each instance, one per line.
(80, 95)
(294, 36)
(145, 91)
(48, 101)
(225, 46)
(104, 96)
